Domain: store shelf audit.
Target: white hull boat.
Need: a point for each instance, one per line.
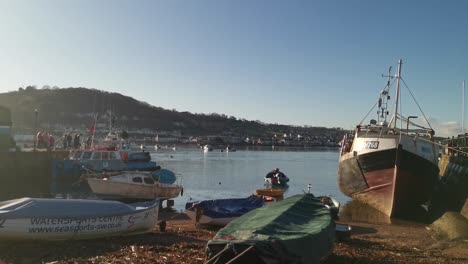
(207, 148)
(133, 185)
(63, 219)
(391, 166)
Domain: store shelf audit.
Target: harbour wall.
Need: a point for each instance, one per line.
(452, 190)
(26, 173)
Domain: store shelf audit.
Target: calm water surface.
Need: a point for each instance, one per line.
(217, 174)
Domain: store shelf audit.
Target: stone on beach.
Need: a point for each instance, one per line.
(451, 225)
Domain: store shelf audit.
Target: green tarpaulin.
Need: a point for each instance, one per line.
(296, 230)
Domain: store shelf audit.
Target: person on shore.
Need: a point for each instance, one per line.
(76, 141)
(65, 141)
(51, 143)
(69, 140)
(39, 139)
(88, 141)
(45, 140)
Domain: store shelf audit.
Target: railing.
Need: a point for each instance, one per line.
(381, 130)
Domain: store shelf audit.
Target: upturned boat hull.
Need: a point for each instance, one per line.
(56, 219)
(392, 180)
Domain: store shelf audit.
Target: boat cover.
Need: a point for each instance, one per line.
(225, 208)
(296, 230)
(66, 208)
(164, 176)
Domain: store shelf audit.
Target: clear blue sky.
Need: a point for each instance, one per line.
(290, 62)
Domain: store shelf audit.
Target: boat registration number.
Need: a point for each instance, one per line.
(371, 144)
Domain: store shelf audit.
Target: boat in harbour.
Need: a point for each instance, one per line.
(276, 178)
(73, 219)
(273, 192)
(207, 148)
(131, 185)
(298, 229)
(230, 149)
(391, 165)
(113, 160)
(220, 212)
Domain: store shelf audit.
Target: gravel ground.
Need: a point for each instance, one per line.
(183, 243)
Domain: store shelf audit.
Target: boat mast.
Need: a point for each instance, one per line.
(383, 100)
(397, 95)
(110, 122)
(463, 108)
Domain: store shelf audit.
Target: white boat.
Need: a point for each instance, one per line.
(132, 185)
(392, 166)
(207, 148)
(230, 149)
(113, 160)
(63, 219)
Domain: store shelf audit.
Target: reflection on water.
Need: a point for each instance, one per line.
(355, 211)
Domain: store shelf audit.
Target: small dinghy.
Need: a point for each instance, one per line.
(298, 229)
(276, 178)
(131, 185)
(270, 192)
(66, 219)
(221, 211)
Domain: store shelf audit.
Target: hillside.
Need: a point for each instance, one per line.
(74, 107)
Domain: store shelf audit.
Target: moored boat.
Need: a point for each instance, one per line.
(62, 219)
(219, 212)
(276, 178)
(388, 166)
(230, 149)
(298, 229)
(207, 148)
(270, 192)
(113, 160)
(131, 185)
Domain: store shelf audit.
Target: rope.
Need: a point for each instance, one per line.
(425, 118)
(396, 113)
(240, 255)
(387, 87)
(226, 248)
(368, 113)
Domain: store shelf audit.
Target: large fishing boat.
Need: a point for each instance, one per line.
(392, 166)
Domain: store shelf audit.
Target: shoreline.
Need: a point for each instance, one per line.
(182, 242)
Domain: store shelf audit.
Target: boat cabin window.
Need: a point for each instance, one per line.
(77, 155)
(137, 179)
(112, 156)
(87, 155)
(148, 180)
(105, 155)
(97, 155)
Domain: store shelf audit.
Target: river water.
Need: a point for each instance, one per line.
(216, 174)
